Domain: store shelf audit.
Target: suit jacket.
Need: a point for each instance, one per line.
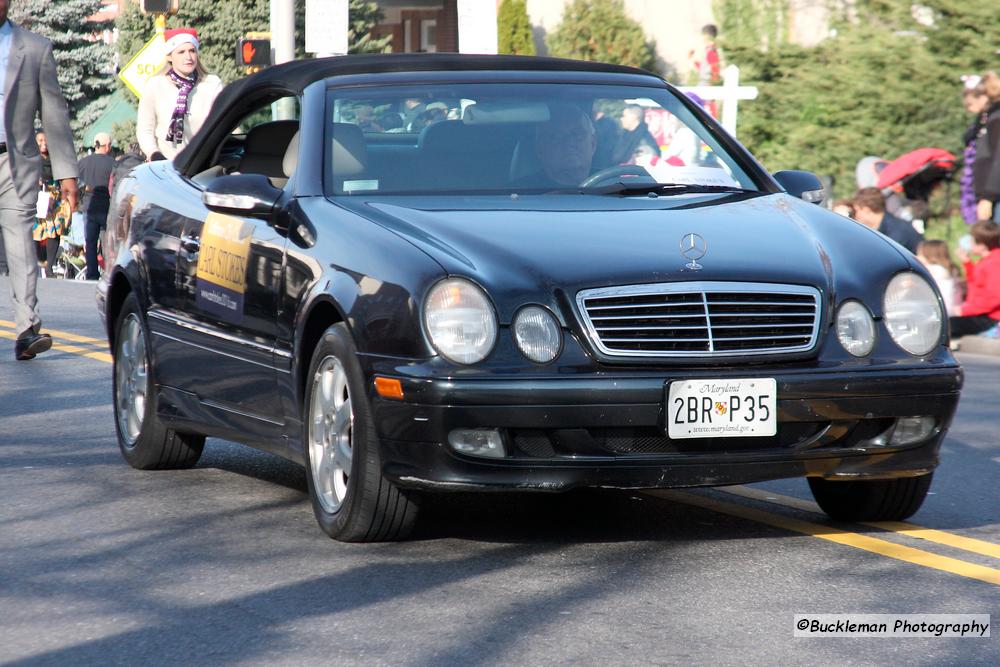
(900, 231)
(32, 88)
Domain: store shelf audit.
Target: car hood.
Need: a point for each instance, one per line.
(567, 243)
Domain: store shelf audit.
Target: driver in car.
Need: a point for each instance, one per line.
(564, 148)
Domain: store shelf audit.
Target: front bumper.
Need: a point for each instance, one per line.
(609, 430)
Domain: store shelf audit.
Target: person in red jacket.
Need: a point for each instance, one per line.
(981, 310)
(708, 65)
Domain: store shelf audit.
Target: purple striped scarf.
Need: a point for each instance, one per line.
(968, 196)
(184, 85)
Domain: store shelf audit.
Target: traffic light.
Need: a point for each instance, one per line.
(253, 52)
(159, 6)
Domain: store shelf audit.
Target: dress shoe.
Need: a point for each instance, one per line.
(31, 343)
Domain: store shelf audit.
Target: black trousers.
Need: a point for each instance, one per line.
(97, 217)
(970, 325)
(47, 249)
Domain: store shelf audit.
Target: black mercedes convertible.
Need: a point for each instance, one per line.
(419, 274)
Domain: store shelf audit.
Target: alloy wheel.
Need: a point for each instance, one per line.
(331, 421)
(131, 379)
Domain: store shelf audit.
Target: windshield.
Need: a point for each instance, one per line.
(520, 138)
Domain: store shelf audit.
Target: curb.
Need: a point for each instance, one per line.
(979, 345)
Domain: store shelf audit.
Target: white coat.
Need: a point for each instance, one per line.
(156, 107)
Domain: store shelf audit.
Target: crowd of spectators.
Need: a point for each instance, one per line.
(971, 293)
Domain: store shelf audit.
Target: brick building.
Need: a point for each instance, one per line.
(420, 25)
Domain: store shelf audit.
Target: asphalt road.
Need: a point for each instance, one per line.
(101, 564)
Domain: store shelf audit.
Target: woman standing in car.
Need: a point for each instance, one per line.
(176, 101)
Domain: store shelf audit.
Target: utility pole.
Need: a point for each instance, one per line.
(283, 43)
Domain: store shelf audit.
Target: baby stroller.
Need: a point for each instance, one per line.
(918, 172)
(70, 261)
(914, 176)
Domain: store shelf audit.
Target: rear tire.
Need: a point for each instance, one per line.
(143, 439)
(351, 499)
(871, 500)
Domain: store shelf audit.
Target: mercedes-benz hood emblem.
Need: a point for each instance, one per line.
(693, 247)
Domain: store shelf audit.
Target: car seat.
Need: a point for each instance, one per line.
(350, 157)
(264, 149)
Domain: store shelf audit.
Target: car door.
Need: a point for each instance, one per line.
(229, 276)
(160, 208)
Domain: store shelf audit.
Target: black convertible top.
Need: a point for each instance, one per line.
(298, 74)
(292, 78)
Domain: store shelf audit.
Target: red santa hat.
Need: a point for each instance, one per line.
(175, 37)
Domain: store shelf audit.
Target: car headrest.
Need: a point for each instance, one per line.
(524, 161)
(446, 136)
(350, 152)
(264, 147)
(271, 137)
(291, 156)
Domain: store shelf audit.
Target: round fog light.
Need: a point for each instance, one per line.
(537, 334)
(477, 442)
(912, 429)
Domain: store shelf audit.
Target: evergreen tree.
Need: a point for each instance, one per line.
(514, 29)
(882, 84)
(965, 34)
(85, 65)
(362, 17)
(600, 30)
(753, 23)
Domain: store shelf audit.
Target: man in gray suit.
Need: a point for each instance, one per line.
(29, 86)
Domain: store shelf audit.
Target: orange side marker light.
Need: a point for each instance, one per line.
(389, 388)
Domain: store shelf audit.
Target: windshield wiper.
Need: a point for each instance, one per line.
(641, 188)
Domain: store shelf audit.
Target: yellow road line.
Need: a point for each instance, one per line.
(76, 338)
(858, 541)
(969, 544)
(72, 349)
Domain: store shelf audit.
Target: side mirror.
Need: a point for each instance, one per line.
(802, 184)
(242, 194)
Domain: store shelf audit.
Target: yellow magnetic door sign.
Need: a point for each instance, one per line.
(222, 265)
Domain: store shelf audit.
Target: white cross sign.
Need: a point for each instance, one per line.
(729, 92)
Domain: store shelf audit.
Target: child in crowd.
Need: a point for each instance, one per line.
(844, 207)
(934, 255)
(981, 310)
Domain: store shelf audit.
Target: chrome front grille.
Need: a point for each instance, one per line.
(701, 319)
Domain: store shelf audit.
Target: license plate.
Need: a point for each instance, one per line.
(742, 408)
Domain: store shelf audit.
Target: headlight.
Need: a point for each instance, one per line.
(460, 321)
(537, 334)
(912, 313)
(855, 328)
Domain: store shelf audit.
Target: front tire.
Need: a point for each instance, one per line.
(871, 500)
(351, 499)
(143, 439)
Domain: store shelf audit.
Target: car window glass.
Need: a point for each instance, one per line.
(469, 138)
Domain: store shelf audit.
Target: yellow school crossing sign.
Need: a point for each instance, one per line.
(144, 64)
